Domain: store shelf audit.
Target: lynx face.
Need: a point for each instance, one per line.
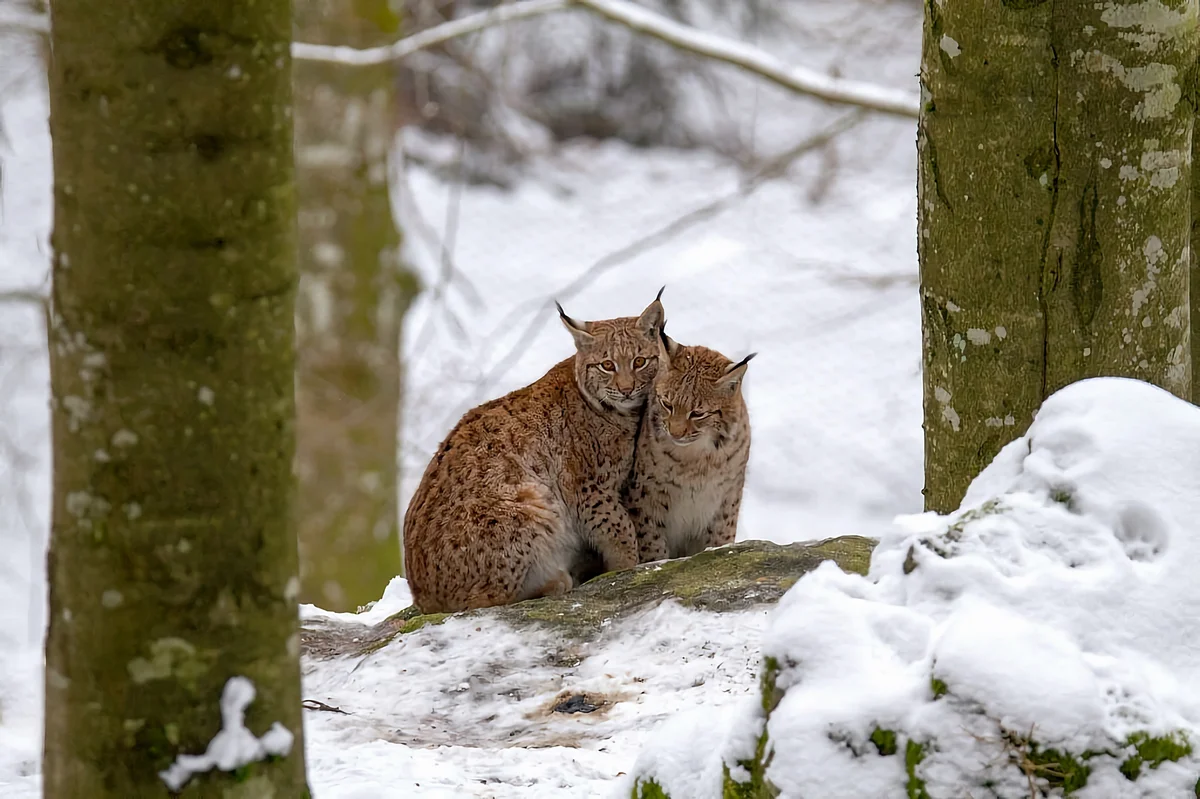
(697, 395)
(616, 360)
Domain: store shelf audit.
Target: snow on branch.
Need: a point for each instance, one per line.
(801, 80)
(798, 79)
(430, 37)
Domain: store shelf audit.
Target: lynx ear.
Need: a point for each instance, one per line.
(670, 347)
(578, 330)
(654, 317)
(735, 372)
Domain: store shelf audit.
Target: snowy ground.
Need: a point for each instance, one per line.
(823, 289)
(463, 710)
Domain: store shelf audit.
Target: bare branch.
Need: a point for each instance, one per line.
(430, 37)
(798, 79)
(801, 80)
(25, 296)
(542, 309)
(15, 19)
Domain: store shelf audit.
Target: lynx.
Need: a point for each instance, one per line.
(525, 490)
(686, 488)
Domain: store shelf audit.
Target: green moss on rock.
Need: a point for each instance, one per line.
(885, 741)
(1153, 752)
(914, 753)
(771, 694)
(1058, 768)
(732, 578)
(649, 789)
(758, 786)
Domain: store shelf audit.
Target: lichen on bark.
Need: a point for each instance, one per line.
(172, 560)
(1054, 203)
(985, 202)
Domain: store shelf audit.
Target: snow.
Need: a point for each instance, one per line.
(234, 745)
(816, 270)
(1056, 608)
(396, 597)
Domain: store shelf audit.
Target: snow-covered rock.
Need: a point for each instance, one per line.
(1040, 641)
(550, 697)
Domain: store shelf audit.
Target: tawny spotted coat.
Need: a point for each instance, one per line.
(526, 487)
(685, 492)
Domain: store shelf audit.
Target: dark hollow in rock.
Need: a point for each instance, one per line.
(576, 703)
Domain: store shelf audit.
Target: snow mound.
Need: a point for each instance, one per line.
(1040, 641)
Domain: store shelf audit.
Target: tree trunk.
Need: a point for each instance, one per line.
(1053, 196)
(172, 565)
(354, 292)
(985, 146)
(1194, 244)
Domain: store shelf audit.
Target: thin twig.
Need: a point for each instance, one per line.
(26, 296)
(769, 171)
(15, 19)
(430, 37)
(313, 704)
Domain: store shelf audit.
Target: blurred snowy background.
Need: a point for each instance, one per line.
(562, 157)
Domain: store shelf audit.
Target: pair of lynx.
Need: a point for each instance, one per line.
(633, 450)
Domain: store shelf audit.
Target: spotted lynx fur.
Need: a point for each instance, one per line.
(686, 488)
(526, 487)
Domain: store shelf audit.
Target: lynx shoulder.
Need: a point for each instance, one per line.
(526, 487)
(685, 492)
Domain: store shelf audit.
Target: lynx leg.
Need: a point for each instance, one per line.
(610, 531)
(557, 585)
(723, 529)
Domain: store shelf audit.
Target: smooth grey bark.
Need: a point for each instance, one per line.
(354, 293)
(172, 564)
(1054, 213)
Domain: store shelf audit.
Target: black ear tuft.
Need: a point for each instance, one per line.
(579, 330)
(735, 372)
(740, 364)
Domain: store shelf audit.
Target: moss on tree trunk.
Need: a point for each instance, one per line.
(354, 293)
(1193, 97)
(1053, 195)
(1116, 273)
(172, 563)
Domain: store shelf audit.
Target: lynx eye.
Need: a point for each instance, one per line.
(608, 366)
(700, 414)
(639, 362)
(666, 406)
